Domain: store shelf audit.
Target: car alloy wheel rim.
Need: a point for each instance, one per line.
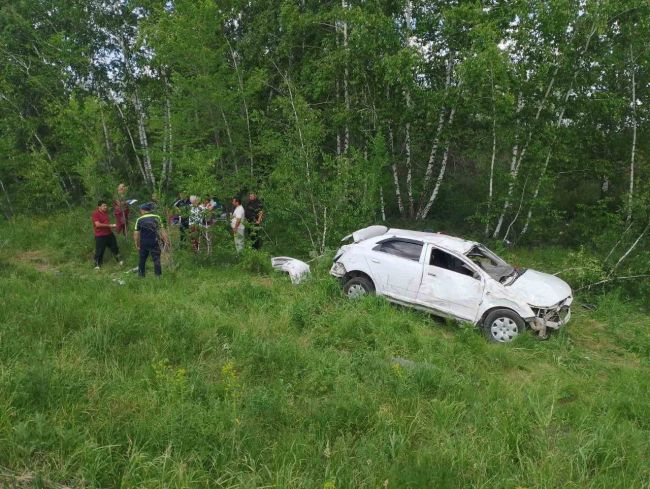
(355, 291)
(504, 329)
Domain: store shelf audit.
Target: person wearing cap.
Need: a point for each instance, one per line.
(103, 230)
(148, 236)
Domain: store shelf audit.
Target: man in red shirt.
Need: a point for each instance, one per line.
(104, 235)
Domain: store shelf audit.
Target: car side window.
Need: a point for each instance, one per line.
(444, 260)
(410, 250)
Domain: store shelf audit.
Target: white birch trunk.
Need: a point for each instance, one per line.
(382, 203)
(168, 146)
(441, 174)
(514, 219)
(144, 144)
(346, 92)
(493, 159)
(436, 140)
(225, 121)
(398, 192)
(513, 169)
(107, 141)
(240, 82)
(10, 210)
(629, 250)
(558, 124)
(135, 149)
(407, 147)
(634, 126)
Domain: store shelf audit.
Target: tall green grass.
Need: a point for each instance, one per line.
(224, 374)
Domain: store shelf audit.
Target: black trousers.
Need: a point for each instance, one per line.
(101, 242)
(254, 235)
(147, 249)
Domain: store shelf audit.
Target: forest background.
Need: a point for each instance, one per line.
(512, 121)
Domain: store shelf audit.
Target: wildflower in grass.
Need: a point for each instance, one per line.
(330, 484)
(230, 379)
(398, 370)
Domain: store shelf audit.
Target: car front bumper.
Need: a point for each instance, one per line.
(338, 270)
(553, 317)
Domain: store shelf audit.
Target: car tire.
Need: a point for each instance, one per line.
(503, 326)
(358, 287)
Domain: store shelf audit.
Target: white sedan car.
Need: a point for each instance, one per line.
(452, 277)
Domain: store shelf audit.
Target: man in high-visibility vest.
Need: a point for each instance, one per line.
(149, 235)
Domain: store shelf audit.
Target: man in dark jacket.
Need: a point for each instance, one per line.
(254, 218)
(149, 235)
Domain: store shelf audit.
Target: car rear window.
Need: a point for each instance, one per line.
(410, 250)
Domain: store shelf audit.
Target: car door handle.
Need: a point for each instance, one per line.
(374, 260)
(431, 274)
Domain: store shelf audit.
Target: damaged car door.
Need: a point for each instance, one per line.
(396, 267)
(451, 285)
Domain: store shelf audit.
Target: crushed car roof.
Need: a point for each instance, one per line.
(451, 243)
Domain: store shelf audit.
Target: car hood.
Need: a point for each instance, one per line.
(540, 289)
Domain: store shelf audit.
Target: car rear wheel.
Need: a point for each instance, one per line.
(358, 287)
(503, 326)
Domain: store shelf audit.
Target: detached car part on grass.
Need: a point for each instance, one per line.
(297, 270)
(452, 277)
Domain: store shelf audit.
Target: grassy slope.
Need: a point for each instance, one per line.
(218, 377)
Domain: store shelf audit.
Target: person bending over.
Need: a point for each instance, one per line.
(104, 236)
(148, 236)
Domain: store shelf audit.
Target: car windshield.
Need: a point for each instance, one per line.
(494, 266)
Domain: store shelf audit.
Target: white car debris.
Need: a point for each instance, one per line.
(452, 277)
(297, 270)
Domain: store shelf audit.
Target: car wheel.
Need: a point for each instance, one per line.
(503, 325)
(358, 287)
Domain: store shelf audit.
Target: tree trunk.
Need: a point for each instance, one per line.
(436, 140)
(493, 159)
(107, 141)
(135, 150)
(346, 91)
(441, 174)
(634, 126)
(407, 147)
(243, 97)
(168, 145)
(513, 169)
(629, 250)
(398, 192)
(144, 144)
(558, 124)
(225, 121)
(9, 212)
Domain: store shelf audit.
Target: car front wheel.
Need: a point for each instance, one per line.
(503, 326)
(358, 287)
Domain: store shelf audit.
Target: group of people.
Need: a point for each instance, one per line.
(193, 216)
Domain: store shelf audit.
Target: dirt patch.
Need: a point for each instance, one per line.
(36, 259)
(263, 281)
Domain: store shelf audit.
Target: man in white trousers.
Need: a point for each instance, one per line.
(237, 223)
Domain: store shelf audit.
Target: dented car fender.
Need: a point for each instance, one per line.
(497, 296)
